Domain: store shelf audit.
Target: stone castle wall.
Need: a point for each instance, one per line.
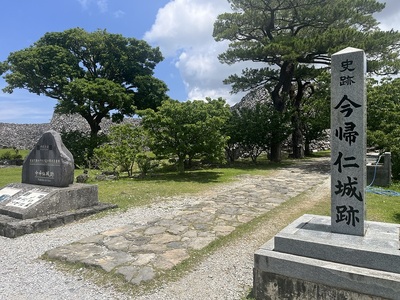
(21, 136)
(25, 136)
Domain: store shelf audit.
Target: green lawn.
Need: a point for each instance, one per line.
(10, 175)
(379, 208)
(129, 192)
(384, 208)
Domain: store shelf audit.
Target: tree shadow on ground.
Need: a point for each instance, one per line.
(250, 166)
(312, 164)
(321, 166)
(204, 174)
(396, 217)
(193, 176)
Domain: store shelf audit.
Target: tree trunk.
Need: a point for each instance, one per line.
(297, 137)
(297, 144)
(276, 152)
(181, 165)
(280, 95)
(94, 126)
(307, 149)
(297, 134)
(232, 153)
(190, 162)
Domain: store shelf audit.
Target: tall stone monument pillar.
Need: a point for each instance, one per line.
(348, 142)
(342, 256)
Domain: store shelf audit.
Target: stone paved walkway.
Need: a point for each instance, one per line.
(141, 251)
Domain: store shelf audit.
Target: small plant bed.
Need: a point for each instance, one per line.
(12, 156)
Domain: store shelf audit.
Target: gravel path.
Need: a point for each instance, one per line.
(226, 274)
(25, 276)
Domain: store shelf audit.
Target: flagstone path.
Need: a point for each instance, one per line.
(140, 251)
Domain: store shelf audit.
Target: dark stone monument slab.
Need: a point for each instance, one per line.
(50, 163)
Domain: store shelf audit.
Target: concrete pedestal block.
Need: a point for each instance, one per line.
(307, 261)
(31, 201)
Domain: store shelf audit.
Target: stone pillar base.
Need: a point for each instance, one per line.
(307, 261)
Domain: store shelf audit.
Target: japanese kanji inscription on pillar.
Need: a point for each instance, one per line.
(348, 141)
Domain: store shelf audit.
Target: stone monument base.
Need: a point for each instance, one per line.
(307, 261)
(27, 208)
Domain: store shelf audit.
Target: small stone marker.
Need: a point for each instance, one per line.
(348, 142)
(50, 163)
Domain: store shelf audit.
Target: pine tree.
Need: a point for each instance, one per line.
(294, 40)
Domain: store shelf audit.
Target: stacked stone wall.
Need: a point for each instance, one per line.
(21, 136)
(25, 136)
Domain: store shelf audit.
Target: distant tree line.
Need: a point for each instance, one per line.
(208, 132)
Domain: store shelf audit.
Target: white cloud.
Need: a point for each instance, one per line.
(389, 17)
(102, 5)
(84, 3)
(185, 24)
(183, 31)
(119, 14)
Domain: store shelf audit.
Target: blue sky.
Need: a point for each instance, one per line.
(181, 28)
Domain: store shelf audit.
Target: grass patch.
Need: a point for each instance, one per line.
(129, 192)
(10, 175)
(379, 208)
(164, 182)
(383, 208)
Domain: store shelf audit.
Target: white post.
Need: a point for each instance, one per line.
(348, 141)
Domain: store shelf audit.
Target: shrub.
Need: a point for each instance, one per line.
(9, 155)
(82, 145)
(145, 163)
(125, 142)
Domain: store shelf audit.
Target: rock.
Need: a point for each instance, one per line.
(83, 178)
(49, 163)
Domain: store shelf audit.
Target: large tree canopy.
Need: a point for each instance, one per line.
(295, 40)
(253, 129)
(97, 75)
